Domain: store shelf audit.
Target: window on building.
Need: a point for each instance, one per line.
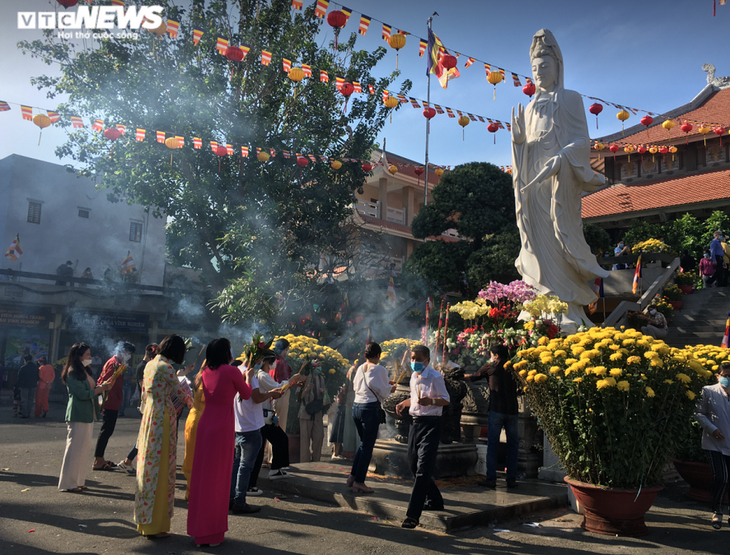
(34, 212)
(135, 232)
(83, 213)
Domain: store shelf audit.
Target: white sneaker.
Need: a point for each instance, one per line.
(254, 491)
(129, 469)
(278, 474)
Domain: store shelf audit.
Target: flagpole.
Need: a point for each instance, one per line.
(428, 121)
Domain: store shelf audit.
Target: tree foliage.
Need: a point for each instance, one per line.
(597, 238)
(253, 228)
(477, 200)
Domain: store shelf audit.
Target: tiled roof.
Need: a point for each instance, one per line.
(651, 195)
(403, 228)
(714, 110)
(407, 168)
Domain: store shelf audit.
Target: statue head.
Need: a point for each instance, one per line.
(547, 61)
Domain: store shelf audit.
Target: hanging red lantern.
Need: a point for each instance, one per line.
(448, 61)
(641, 149)
(303, 161)
(234, 53)
(663, 150)
(647, 121)
(613, 148)
(686, 127)
(68, 3)
(719, 131)
(596, 109)
(418, 170)
(493, 128)
(337, 20)
(221, 150)
(529, 88)
(367, 168)
(429, 112)
(346, 89)
(112, 133)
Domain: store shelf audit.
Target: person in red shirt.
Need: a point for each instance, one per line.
(112, 404)
(46, 375)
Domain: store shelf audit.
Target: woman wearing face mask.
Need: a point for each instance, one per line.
(713, 414)
(157, 440)
(657, 324)
(707, 270)
(80, 413)
(210, 481)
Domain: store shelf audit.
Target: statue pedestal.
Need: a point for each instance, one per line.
(453, 460)
(551, 470)
(530, 456)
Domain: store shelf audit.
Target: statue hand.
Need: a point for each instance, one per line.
(518, 128)
(550, 168)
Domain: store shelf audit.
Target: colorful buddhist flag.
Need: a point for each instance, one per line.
(597, 288)
(516, 80)
(139, 136)
(173, 27)
(272, 152)
(414, 102)
(122, 128)
(286, 64)
(14, 251)
(339, 81)
(321, 8)
(487, 68)
(245, 49)
(128, 265)
(403, 99)
(77, 122)
(244, 151)
(53, 116)
(364, 24)
(480, 118)
(229, 149)
(347, 11)
(197, 143)
(98, 125)
(450, 113)
(286, 154)
(725, 339)
(357, 87)
(422, 47)
(312, 158)
(213, 145)
(637, 276)
(197, 35)
(386, 32)
(221, 45)
(307, 70)
(297, 4)
(323, 76)
(4, 106)
(435, 63)
(501, 71)
(160, 136)
(469, 61)
(26, 112)
(439, 109)
(180, 140)
(265, 57)
(472, 117)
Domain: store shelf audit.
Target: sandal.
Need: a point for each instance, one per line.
(409, 523)
(73, 490)
(717, 521)
(105, 466)
(83, 487)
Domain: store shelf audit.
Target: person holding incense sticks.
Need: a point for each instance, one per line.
(112, 371)
(428, 397)
(371, 387)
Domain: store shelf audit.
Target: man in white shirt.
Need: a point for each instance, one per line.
(428, 397)
(249, 421)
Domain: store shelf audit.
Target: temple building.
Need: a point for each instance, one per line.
(657, 187)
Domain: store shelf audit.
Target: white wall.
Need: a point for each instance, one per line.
(98, 242)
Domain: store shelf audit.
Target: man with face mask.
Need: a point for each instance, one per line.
(113, 402)
(281, 372)
(657, 325)
(621, 250)
(428, 397)
(717, 255)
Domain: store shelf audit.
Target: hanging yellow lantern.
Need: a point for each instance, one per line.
(296, 74)
(397, 42)
(599, 147)
(494, 78)
(391, 102)
(42, 121)
(263, 156)
(393, 169)
(439, 171)
(172, 143)
(653, 150)
(623, 115)
(628, 149)
(704, 129)
(336, 164)
(668, 124)
(673, 150)
(463, 121)
(160, 30)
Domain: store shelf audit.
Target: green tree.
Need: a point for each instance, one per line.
(477, 200)
(255, 229)
(718, 220)
(598, 239)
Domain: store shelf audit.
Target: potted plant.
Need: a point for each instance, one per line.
(674, 295)
(663, 305)
(685, 281)
(613, 404)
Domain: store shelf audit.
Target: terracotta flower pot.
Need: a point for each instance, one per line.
(613, 511)
(676, 305)
(699, 478)
(685, 289)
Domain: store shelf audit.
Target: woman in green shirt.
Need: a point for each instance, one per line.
(80, 413)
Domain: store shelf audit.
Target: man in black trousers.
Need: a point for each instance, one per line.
(428, 397)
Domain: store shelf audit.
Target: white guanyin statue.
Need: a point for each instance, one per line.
(551, 169)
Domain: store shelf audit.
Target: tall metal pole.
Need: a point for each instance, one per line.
(428, 121)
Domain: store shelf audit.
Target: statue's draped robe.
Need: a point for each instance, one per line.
(555, 257)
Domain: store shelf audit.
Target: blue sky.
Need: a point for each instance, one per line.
(645, 54)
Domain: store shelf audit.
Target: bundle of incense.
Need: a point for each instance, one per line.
(286, 386)
(401, 377)
(441, 321)
(428, 313)
(118, 372)
(446, 329)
